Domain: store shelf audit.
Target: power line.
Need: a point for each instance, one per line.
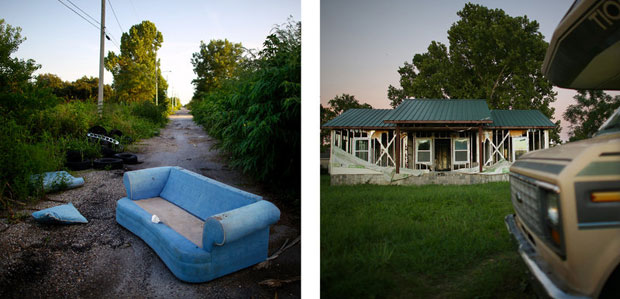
(135, 12)
(81, 16)
(108, 34)
(113, 40)
(114, 13)
(84, 12)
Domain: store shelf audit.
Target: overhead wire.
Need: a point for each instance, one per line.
(115, 17)
(135, 12)
(84, 12)
(108, 35)
(85, 19)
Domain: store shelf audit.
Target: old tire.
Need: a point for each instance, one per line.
(98, 130)
(79, 165)
(127, 158)
(74, 156)
(108, 163)
(107, 152)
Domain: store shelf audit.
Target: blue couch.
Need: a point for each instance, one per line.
(208, 229)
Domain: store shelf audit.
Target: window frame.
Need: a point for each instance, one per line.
(367, 150)
(454, 150)
(430, 150)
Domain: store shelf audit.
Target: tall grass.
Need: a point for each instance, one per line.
(36, 129)
(256, 116)
(418, 241)
(37, 141)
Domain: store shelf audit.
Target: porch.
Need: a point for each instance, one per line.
(454, 139)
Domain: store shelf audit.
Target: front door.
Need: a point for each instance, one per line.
(442, 154)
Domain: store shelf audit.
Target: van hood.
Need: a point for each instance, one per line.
(570, 151)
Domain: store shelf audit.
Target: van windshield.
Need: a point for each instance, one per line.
(611, 125)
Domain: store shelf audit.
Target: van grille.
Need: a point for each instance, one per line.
(526, 201)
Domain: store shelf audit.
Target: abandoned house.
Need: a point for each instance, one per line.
(438, 135)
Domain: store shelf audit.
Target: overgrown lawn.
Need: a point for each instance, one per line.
(419, 241)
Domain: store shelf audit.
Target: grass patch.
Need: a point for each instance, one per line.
(418, 241)
(37, 140)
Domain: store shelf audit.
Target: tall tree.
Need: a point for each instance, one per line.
(593, 107)
(18, 96)
(136, 69)
(14, 72)
(215, 63)
(491, 56)
(344, 102)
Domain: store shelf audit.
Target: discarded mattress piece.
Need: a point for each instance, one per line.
(57, 180)
(65, 214)
(201, 229)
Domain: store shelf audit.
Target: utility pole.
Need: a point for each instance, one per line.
(166, 80)
(101, 50)
(156, 78)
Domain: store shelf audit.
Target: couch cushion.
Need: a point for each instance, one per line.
(66, 214)
(202, 196)
(176, 218)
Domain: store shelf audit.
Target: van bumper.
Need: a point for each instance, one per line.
(536, 266)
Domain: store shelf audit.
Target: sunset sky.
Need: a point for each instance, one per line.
(363, 43)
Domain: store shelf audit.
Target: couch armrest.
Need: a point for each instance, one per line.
(235, 224)
(145, 183)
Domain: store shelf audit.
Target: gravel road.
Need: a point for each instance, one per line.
(102, 259)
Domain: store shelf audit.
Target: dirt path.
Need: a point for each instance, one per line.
(102, 259)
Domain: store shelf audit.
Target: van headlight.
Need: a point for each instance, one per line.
(553, 213)
(552, 201)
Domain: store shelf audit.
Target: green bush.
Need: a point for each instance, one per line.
(149, 111)
(36, 129)
(39, 144)
(21, 156)
(71, 119)
(87, 148)
(257, 116)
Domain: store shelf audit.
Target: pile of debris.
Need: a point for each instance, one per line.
(111, 151)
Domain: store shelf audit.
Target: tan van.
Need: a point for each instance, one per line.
(567, 221)
(567, 198)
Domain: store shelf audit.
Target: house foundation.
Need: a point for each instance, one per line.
(431, 178)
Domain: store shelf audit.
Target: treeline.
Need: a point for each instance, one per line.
(43, 116)
(84, 89)
(250, 101)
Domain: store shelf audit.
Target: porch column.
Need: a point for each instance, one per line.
(332, 140)
(478, 150)
(397, 148)
(546, 134)
(480, 147)
(528, 140)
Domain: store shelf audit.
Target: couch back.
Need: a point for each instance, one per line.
(202, 196)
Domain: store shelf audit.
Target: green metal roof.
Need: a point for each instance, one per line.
(360, 118)
(519, 118)
(440, 111)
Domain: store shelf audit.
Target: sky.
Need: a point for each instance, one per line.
(66, 45)
(363, 43)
